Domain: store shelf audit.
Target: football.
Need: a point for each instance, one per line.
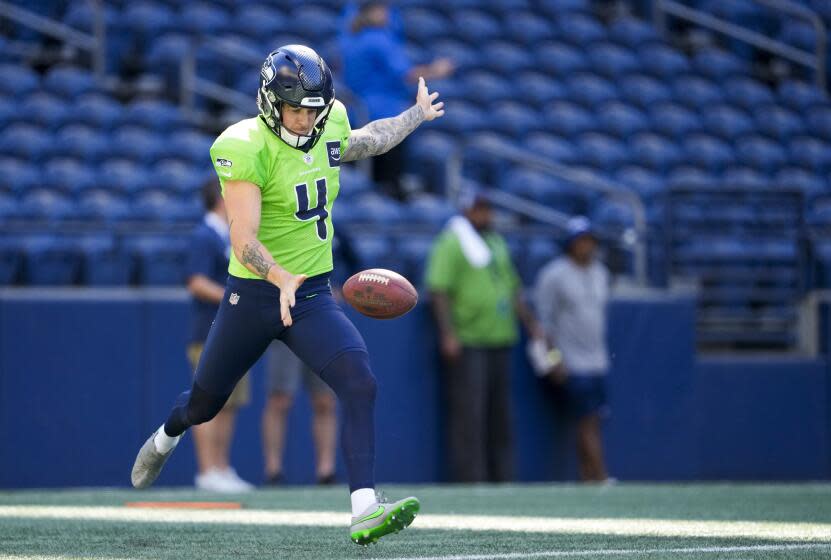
(380, 293)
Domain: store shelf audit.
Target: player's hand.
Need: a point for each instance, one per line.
(289, 283)
(451, 348)
(424, 99)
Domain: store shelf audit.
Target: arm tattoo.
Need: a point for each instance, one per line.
(382, 135)
(253, 258)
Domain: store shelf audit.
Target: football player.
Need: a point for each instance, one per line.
(279, 174)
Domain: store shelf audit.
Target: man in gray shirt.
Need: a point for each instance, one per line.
(570, 296)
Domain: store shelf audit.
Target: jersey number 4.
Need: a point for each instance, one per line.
(319, 212)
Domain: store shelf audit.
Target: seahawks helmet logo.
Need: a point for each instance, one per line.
(267, 71)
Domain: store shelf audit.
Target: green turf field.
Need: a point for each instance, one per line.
(733, 522)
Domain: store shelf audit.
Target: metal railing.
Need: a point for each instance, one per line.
(809, 322)
(95, 44)
(633, 238)
(816, 60)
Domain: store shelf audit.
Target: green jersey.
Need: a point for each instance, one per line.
(298, 189)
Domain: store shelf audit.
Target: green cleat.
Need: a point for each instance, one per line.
(382, 519)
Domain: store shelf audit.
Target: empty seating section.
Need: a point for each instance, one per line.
(611, 97)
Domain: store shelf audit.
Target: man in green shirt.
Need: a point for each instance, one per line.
(280, 176)
(477, 299)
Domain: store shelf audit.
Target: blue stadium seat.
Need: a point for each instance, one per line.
(486, 87)
(192, 145)
(745, 177)
(97, 109)
(165, 52)
(159, 260)
(632, 32)
(476, 27)
(654, 151)
(819, 122)
(612, 214)
(810, 153)
(799, 33)
(568, 119)
(558, 8)
(464, 118)
(761, 153)
(642, 180)
(580, 30)
(663, 61)
(697, 92)
(781, 124)
(718, 64)
(263, 21)
(463, 56)
(528, 28)
(424, 25)
(179, 176)
(430, 209)
(45, 109)
(553, 148)
(10, 258)
(375, 251)
(505, 57)
(82, 142)
(415, 251)
(9, 207)
(500, 8)
(315, 22)
(103, 205)
(612, 60)
(602, 151)
(68, 175)
(747, 93)
(514, 118)
(540, 250)
(46, 204)
(17, 80)
(123, 175)
(708, 152)
(644, 91)
(726, 121)
(26, 141)
(560, 59)
(102, 263)
(9, 111)
(621, 119)
(18, 176)
(546, 189)
(204, 18)
(68, 81)
(479, 162)
(797, 178)
(590, 89)
(149, 19)
(373, 207)
(540, 89)
(157, 205)
(353, 181)
(800, 96)
(49, 261)
(674, 120)
(687, 176)
(154, 114)
(138, 143)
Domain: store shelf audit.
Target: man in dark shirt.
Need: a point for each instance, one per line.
(207, 270)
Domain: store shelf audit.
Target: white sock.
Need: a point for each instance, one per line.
(362, 499)
(164, 442)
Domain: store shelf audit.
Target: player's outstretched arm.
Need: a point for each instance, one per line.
(242, 202)
(381, 136)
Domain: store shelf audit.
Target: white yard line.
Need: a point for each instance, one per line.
(776, 531)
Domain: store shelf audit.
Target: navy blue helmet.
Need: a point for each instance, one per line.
(298, 76)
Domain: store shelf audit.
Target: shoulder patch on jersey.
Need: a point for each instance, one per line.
(224, 162)
(333, 152)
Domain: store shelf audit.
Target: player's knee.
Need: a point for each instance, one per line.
(203, 406)
(351, 377)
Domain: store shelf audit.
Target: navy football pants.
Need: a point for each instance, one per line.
(321, 336)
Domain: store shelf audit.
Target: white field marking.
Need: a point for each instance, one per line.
(776, 531)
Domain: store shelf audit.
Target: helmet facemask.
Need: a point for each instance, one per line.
(271, 112)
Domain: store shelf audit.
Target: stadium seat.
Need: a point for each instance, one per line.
(528, 28)
(644, 91)
(632, 32)
(590, 90)
(179, 176)
(580, 30)
(654, 151)
(10, 258)
(102, 205)
(611, 60)
(376, 251)
(480, 157)
(138, 143)
(82, 142)
(810, 153)
(97, 109)
(476, 27)
(46, 204)
(539, 88)
(158, 260)
(9, 207)
(560, 59)
(674, 120)
(122, 175)
(602, 151)
(165, 53)
(486, 87)
(613, 214)
(149, 19)
(464, 56)
(559, 8)
(26, 141)
(315, 22)
(546, 189)
(717, 64)
(17, 80)
(153, 114)
(687, 176)
(45, 109)
(782, 124)
(17, 176)
(799, 33)
(643, 181)
(424, 25)
(708, 152)
(9, 111)
(49, 261)
(800, 96)
(157, 205)
(819, 122)
(353, 181)
(373, 207)
(761, 153)
(102, 263)
(663, 61)
(68, 81)
(726, 121)
(464, 118)
(513, 118)
(552, 148)
(415, 251)
(568, 119)
(203, 18)
(192, 145)
(621, 120)
(505, 57)
(68, 175)
(430, 209)
(745, 177)
(797, 178)
(697, 92)
(262, 21)
(747, 93)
